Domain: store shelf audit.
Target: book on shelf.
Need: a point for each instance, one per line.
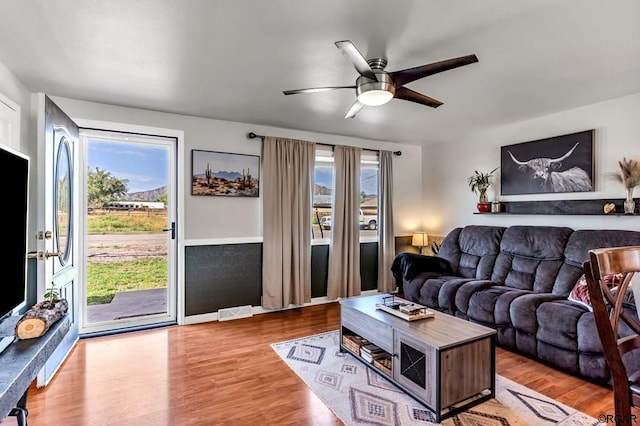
(384, 364)
(370, 357)
(371, 349)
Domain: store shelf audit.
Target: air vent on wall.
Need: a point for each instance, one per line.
(234, 313)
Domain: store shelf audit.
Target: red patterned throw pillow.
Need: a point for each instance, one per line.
(580, 292)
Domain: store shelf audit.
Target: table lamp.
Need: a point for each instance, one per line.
(419, 239)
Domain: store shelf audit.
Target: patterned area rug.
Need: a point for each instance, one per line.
(360, 396)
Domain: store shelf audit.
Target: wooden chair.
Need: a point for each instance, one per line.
(609, 314)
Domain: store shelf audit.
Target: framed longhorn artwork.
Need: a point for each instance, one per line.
(556, 164)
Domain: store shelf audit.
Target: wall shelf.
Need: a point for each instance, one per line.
(564, 207)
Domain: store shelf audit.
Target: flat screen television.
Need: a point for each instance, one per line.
(14, 175)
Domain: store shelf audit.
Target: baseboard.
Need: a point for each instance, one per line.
(255, 310)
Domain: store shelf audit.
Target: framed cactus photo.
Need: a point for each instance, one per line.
(224, 174)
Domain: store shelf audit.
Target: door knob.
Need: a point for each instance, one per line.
(34, 255)
(40, 256)
(49, 254)
(172, 229)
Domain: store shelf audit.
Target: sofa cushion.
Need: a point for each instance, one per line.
(447, 295)
(558, 323)
(523, 311)
(412, 288)
(530, 257)
(466, 291)
(491, 305)
(472, 250)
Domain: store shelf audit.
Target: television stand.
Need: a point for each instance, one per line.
(5, 342)
(21, 361)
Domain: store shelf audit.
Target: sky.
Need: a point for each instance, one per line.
(224, 162)
(146, 166)
(368, 183)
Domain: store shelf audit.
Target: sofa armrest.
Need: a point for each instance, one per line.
(409, 265)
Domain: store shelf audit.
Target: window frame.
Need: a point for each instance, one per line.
(324, 156)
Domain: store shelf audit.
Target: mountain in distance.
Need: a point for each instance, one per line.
(223, 174)
(151, 195)
(321, 190)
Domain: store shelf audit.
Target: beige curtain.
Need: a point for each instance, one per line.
(386, 237)
(286, 253)
(344, 250)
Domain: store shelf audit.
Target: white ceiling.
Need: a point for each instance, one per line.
(231, 60)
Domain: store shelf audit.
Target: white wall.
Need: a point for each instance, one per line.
(449, 202)
(13, 89)
(212, 218)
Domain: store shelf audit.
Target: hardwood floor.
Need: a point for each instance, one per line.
(225, 373)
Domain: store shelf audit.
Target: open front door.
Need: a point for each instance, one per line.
(58, 218)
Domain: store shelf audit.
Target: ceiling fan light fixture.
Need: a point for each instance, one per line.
(375, 93)
(375, 97)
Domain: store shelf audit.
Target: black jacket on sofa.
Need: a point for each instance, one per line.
(517, 280)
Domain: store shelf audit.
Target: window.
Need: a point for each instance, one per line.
(323, 195)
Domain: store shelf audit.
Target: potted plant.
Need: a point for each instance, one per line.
(629, 176)
(479, 183)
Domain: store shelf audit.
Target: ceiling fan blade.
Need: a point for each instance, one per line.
(316, 89)
(354, 56)
(412, 96)
(400, 78)
(355, 108)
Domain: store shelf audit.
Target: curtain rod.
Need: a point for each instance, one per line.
(252, 135)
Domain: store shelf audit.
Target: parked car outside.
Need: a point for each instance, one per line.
(366, 221)
(325, 222)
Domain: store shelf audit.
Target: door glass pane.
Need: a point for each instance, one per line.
(128, 228)
(62, 200)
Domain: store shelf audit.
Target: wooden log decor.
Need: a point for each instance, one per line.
(40, 317)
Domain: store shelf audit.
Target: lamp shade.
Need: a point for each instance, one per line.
(419, 239)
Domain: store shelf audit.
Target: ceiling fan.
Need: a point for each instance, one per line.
(375, 86)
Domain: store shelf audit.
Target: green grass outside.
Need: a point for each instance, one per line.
(122, 223)
(104, 280)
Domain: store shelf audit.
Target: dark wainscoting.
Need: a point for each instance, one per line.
(320, 266)
(319, 262)
(369, 266)
(222, 276)
(230, 275)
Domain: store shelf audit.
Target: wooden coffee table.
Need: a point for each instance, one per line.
(444, 362)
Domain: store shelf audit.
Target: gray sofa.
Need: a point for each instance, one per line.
(517, 280)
